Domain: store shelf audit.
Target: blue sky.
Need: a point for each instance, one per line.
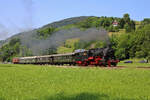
(22, 15)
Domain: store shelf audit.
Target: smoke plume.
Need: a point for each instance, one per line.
(11, 27)
(3, 31)
(58, 38)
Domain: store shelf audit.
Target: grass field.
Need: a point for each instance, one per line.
(31, 82)
(135, 65)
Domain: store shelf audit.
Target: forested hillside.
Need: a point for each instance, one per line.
(133, 44)
(129, 38)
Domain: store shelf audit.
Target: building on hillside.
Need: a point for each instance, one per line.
(115, 23)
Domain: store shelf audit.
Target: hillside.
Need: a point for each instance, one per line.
(40, 41)
(81, 33)
(67, 21)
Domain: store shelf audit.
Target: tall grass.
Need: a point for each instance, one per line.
(31, 82)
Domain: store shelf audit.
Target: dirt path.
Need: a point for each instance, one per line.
(143, 68)
(101, 67)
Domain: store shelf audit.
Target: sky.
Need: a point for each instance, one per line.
(23, 15)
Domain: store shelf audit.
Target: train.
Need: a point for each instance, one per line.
(92, 57)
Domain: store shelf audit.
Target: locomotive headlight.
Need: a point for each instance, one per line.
(85, 54)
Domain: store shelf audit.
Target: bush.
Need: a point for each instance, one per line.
(44, 33)
(13, 49)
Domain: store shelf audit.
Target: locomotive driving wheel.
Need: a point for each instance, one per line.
(84, 63)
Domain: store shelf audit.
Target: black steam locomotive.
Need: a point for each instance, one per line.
(94, 57)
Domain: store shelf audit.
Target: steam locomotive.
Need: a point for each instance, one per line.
(93, 57)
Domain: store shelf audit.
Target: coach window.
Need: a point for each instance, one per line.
(58, 58)
(65, 57)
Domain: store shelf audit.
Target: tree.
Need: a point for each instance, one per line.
(46, 32)
(127, 27)
(132, 25)
(134, 44)
(14, 41)
(146, 21)
(126, 18)
(13, 49)
(121, 23)
(116, 29)
(111, 28)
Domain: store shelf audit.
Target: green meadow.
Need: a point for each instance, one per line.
(35, 82)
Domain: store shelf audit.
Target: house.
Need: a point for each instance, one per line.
(115, 23)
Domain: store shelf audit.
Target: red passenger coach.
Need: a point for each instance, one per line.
(15, 60)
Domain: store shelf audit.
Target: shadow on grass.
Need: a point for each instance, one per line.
(2, 98)
(83, 96)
